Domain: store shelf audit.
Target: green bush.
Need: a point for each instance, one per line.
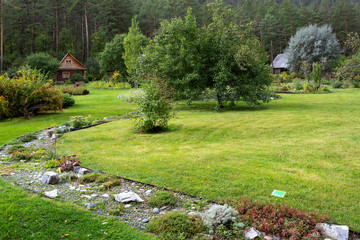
(155, 107)
(161, 199)
(29, 94)
(77, 77)
(27, 137)
(52, 163)
(176, 225)
(24, 155)
(75, 90)
(68, 101)
(16, 148)
(4, 107)
(107, 180)
(80, 121)
(43, 62)
(337, 84)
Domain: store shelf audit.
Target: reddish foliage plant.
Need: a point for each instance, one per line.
(67, 163)
(280, 220)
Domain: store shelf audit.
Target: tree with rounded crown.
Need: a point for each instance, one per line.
(312, 44)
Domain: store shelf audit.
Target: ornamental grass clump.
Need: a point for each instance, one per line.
(155, 106)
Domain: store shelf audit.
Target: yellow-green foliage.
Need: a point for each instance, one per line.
(161, 199)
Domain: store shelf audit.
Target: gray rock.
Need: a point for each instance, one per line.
(86, 196)
(338, 232)
(94, 195)
(163, 208)
(81, 170)
(252, 233)
(90, 205)
(50, 178)
(72, 188)
(148, 192)
(106, 195)
(52, 194)
(145, 220)
(156, 211)
(128, 206)
(126, 197)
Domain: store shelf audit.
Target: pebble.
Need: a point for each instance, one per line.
(128, 206)
(148, 192)
(86, 196)
(156, 211)
(163, 208)
(94, 195)
(145, 220)
(90, 205)
(106, 195)
(72, 188)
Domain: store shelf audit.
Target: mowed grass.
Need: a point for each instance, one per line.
(25, 216)
(99, 103)
(306, 145)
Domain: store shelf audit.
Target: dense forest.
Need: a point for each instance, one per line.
(83, 27)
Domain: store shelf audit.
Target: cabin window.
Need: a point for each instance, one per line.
(67, 61)
(66, 75)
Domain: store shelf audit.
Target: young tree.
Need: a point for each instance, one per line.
(111, 59)
(47, 64)
(133, 44)
(312, 44)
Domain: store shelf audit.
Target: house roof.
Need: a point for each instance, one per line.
(75, 65)
(280, 61)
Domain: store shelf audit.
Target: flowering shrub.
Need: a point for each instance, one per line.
(75, 90)
(155, 105)
(67, 163)
(283, 221)
(28, 94)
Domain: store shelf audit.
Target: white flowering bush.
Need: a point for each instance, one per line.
(220, 215)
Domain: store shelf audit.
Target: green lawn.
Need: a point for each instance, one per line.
(25, 216)
(99, 103)
(306, 145)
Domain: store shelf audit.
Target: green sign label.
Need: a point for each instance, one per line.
(278, 193)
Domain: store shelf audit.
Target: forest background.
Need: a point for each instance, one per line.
(83, 27)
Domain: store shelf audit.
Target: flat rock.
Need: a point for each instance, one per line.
(252, 233)
(156, 211)
(128, 206)
(50, 178)
(126, 197)
(338, 232)
(90, 205)
(52, 194)
(163, 208)
(106, 195)
(81, 170)
(148, 192)
(145, 220)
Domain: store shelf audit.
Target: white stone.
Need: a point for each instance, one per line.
(106, 195)
(52, 194)
(86, 196)
(72, 188)
(338, 232)
(126, 197)
(252, 233)
(50, 178)
(128, 206)
(148, 192)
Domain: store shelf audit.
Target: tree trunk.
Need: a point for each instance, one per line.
(57, 27)
(2, 37)
(33, 46)
(83, 39)
(272, 57)
(87, 33)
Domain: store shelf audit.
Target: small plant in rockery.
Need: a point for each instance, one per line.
(220, 215)
(197, 205)
(107, 180)
(161, 199)
(235, 231)
(80, 121)
(24, 155)
(53, 163)
(155, 106)
(16, 148)
(175, 225)
(27, 137)
(280, 220)
(67, 163)
(68, 177)
(117, 211)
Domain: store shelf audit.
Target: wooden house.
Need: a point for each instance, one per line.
(69, 65)
(280, 63)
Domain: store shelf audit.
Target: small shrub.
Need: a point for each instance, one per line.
(16, 148)
(307, 88)
(77, 77)
(161, 199)
(155, 107)
(4, 107)
(107, 180)
(43, 62)
(285, 88)
(27, 137)
(68, 101)
(17, 156)
(69, 176)
(80, 121)
(176, 225)
(75, 90)
(67, 163)
(337, 84)
(280, 220)
(110, 184)
(234, 232)
(220, 215)
(298, 85)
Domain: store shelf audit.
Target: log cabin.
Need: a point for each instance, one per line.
(280, 64)
(69, 65)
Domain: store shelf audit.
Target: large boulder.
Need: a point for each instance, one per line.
(338, 232)
(126, 197)
(50, 178)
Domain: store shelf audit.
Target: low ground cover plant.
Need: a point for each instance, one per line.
(19, 152)
(280, 220)
(80, 121)
(161, 199)
(110, 85)
(107, 180)
(67, 163)
(27, 94)
(176, 225)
